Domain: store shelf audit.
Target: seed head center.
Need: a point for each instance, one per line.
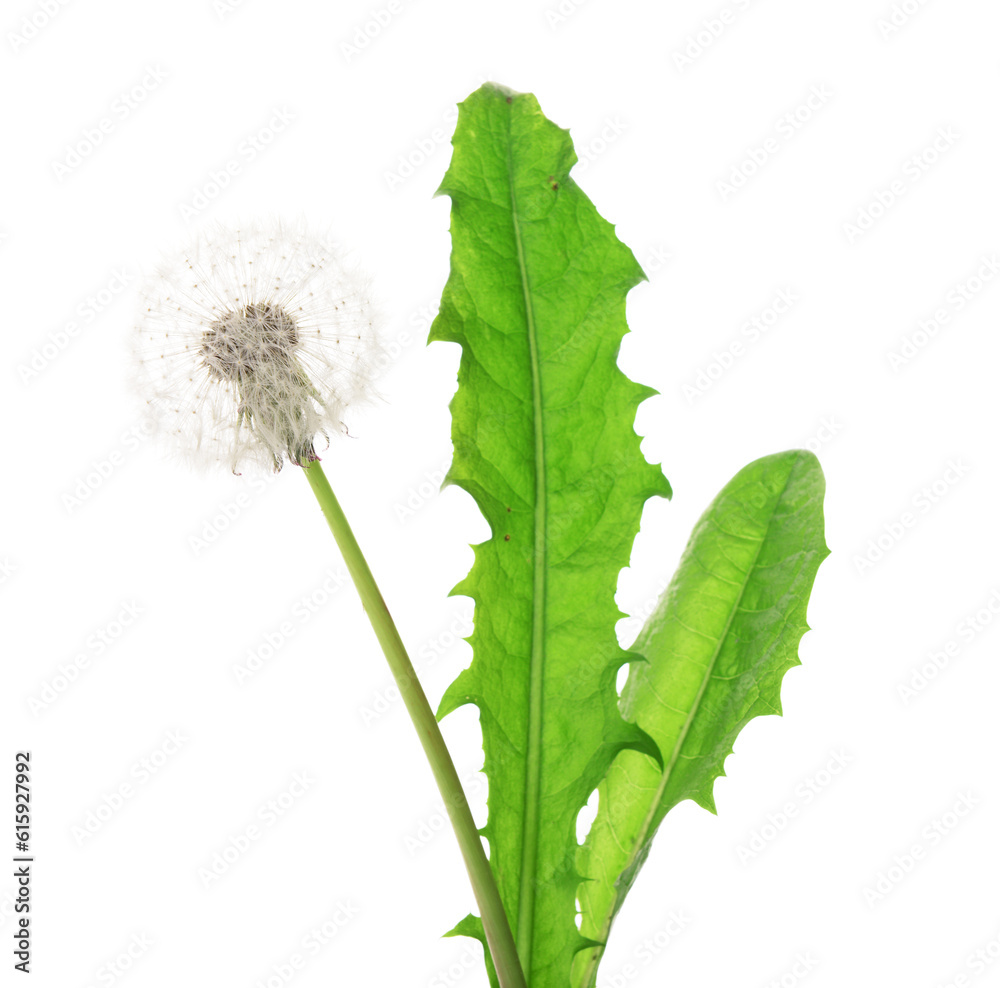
(246, 340)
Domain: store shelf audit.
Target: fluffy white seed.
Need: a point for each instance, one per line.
(253, 343)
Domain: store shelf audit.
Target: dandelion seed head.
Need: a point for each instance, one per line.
(255, 342)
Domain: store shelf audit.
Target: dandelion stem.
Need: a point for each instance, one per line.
(495, 923)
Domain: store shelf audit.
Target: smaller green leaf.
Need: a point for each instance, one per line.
(715, 650)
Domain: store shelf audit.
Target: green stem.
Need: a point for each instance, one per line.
(495, 923)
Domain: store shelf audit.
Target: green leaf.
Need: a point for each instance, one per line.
(716, 648)
(544, 442)
(472, 926)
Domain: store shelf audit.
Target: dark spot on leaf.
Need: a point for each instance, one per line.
(506, 538)
(508, 509)
(510, 99)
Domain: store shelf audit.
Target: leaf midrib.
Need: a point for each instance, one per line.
(532, 795)
(590, 972)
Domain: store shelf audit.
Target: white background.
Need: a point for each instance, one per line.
(78, 546)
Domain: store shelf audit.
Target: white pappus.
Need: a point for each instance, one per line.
(254, 342)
